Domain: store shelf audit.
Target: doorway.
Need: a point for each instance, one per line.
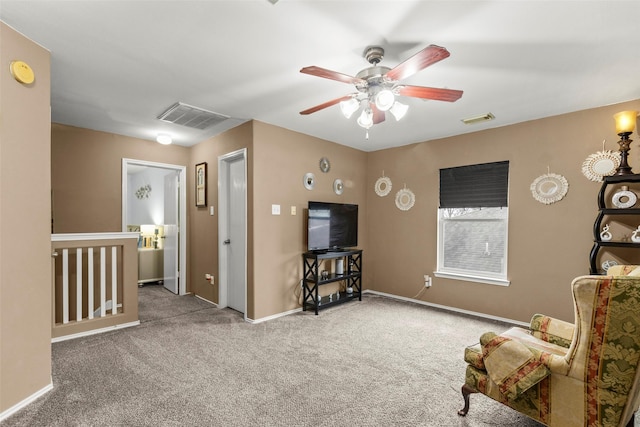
(232, 230)
(167, 218)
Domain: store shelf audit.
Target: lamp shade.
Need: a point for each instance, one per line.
(398, 110)
(384, 100)
(625, 121)
(349, 107)
(366, 119)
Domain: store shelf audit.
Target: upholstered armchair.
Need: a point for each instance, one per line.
(562, 374)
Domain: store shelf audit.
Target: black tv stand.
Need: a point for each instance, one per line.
(351, 275)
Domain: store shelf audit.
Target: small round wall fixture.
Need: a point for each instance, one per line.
(405, 199)
(383, 186)
(549, 188)
(309, 181)
(338, 186)
(22, 72)
(325, 165)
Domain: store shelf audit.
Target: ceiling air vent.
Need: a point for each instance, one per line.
(192, 117)
(478, 119)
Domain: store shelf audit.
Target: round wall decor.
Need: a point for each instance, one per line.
(338, 186)
(309, 181)
(601, 164)
(325, 165)
(405, 199)
(383, 186)
(624, 198)
(549, 188)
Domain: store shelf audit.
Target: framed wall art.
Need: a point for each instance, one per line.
(201, 184)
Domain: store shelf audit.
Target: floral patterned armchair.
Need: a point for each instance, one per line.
(563, 374)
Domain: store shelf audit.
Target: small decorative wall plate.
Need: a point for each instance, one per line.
(338, 186)
(405, 199)
(325, 165)
(549, 188)
(601, 164)
(309, 181)
(624, 198)
(383, 186)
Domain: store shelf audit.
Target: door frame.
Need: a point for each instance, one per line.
(223, 225)
(182, 211)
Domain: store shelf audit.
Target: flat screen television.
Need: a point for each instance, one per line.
(332, 226)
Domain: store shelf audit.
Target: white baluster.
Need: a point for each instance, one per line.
(78, 284)
(103, 282)
(114, 280)
(65, 286)
(90, 282)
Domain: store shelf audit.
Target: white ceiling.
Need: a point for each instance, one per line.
(116, 65)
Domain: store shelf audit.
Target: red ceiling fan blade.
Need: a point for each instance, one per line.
(427, 56)
(378, 115)
(437, 94)
(333, 75)
(325, 105)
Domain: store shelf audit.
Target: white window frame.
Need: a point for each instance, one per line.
(499, 279)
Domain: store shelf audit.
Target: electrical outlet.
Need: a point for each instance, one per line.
(427, 281)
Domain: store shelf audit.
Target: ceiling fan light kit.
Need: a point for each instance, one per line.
(378, 86)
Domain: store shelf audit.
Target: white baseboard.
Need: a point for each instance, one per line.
(206, 300)
(448, 308)
(15, 408)
(275, 316)
(95, 331)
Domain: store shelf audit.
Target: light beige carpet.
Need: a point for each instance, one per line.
(379, 362)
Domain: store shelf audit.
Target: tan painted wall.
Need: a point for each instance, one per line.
(282, 158)
(549, 245)
(204, 235)
(277, 161)
(87, 176)
(25, 256)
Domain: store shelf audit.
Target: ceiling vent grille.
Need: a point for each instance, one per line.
(192, 117)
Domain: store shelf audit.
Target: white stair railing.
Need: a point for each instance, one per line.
(104, 297)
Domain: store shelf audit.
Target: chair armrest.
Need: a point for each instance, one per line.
(552, 330)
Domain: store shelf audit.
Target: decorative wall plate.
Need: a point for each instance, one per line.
(338, 186)
(325, 165)
(309, 181)
(405, 199)
(624, 198)
(601, 164)
(383, 186)
(549, 188)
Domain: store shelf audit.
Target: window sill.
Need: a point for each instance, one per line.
(469, 278)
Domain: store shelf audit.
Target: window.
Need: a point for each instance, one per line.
(472, 223)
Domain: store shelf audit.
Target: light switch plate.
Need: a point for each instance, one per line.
(275, 209)
(211, 210)
(293, 210)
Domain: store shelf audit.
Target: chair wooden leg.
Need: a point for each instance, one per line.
(466, 391)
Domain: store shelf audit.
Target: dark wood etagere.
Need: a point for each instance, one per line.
(607, 210)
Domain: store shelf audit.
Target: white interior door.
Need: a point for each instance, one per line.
(237, 236)
(232, 230)
(171, 220)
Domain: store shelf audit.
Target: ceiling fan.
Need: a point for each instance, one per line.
(378, 86)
